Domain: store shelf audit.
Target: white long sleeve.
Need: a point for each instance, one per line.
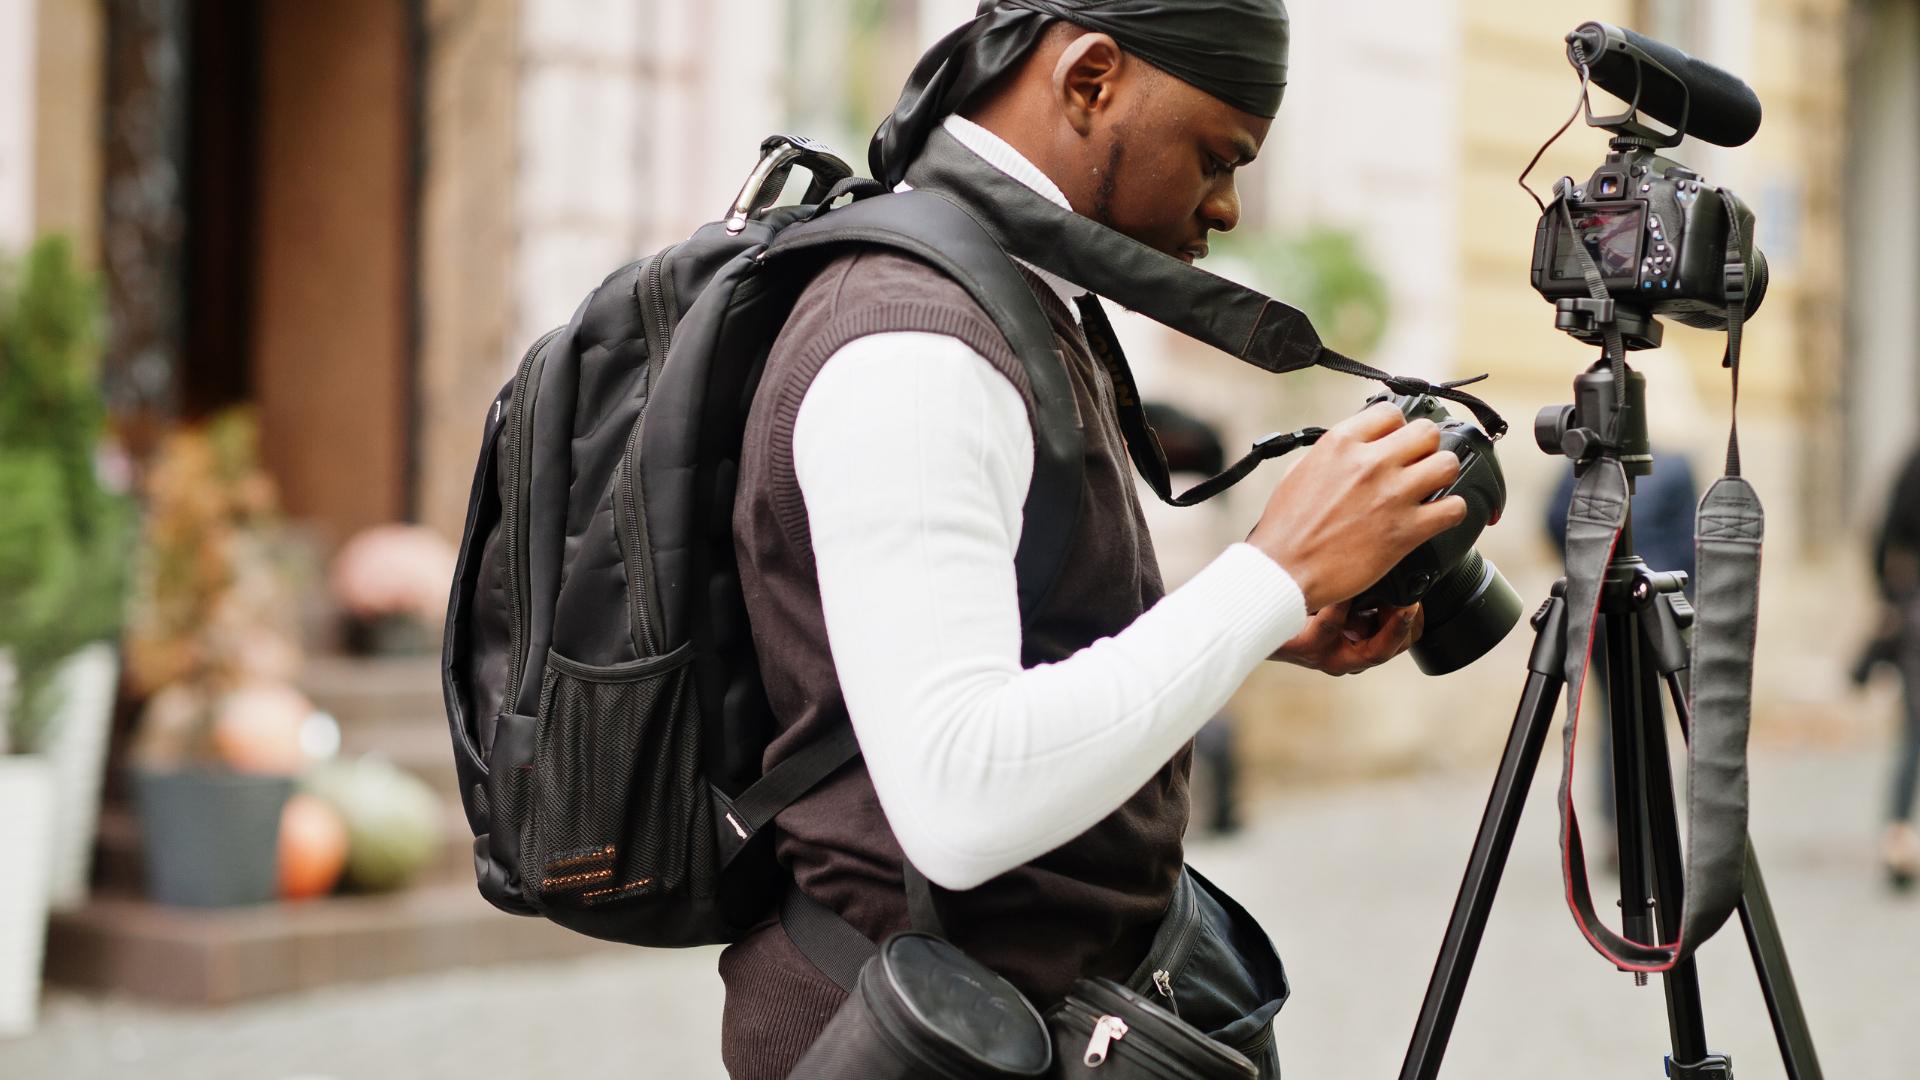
(914, 456)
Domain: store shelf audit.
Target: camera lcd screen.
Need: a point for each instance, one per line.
(1612, 235)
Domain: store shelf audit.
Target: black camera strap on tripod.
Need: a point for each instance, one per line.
(1731, 523)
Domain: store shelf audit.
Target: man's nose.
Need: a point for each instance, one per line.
(1221, 211)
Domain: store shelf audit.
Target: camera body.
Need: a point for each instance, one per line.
(1658, 233)
(1469, 605)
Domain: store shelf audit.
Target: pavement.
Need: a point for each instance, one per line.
(1354, 884)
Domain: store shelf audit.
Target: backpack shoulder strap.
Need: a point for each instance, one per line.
(935, 231)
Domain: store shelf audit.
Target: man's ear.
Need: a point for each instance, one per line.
(1084, 77)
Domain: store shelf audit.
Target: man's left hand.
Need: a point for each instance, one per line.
(1339, 641)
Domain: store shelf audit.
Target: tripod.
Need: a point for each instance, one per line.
(1644, 619)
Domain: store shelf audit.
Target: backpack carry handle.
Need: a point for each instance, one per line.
(778, 155)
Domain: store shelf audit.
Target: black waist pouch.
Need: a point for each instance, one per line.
(1211, 965)
(922, 1008)
(1104, 1031)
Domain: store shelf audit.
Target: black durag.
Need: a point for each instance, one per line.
(1235, 50)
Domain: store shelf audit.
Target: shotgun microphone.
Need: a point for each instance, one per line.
(1668, 85)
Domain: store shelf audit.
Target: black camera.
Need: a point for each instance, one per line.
(1658, 234)
(1662, 239)
(1469, 605)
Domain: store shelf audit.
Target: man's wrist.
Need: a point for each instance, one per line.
(1304, 582)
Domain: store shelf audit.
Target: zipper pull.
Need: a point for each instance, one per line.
(1105, 1031)
(1163, 982)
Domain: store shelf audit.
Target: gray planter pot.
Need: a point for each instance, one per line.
(212, 838)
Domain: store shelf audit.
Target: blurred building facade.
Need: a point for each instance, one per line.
(355, 215)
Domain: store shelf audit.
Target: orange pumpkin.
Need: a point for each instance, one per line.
(313, 847)
(256, 728)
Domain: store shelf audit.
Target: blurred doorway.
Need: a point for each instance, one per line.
(300, 200)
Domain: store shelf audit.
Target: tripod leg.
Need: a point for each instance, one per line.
(1491, 846)
(1768, 950)
(1620, 666)
(1682, 984)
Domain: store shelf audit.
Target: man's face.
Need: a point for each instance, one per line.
(1171, 152)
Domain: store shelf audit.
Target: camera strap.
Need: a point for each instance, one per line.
(1143, 445)
(1245, 324)
(1730, 525)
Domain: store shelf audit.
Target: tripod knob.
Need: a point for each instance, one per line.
(1550, 426)
(1580, 443)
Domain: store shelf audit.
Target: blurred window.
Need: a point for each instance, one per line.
(1676, 22)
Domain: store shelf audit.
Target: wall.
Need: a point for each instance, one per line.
(16, 123)
(66, 144)
(1883, 262)
(468, 241)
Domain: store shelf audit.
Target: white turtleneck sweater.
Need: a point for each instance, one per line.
(914, 456)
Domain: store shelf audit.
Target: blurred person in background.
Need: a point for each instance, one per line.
(1186, 539)
(1896, 565)
(1035, 769)
(1664, 502)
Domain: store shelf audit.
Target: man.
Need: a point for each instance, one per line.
(1035, 771)
(1896, 565)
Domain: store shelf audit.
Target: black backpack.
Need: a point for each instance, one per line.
(605, 702)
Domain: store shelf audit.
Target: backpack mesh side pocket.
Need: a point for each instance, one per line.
(618, 807)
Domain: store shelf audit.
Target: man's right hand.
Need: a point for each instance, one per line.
(1354, 506)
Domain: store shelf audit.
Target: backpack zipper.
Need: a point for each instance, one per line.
(522, 419)
(1106, 1031)
(659, 327)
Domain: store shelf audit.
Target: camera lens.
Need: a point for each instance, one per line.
(1469, 610)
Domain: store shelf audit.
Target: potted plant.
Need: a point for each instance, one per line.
(63, 541)
(212, 647)
(390, 582)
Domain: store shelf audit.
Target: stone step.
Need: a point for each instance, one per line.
(125, 945)
(365, 692)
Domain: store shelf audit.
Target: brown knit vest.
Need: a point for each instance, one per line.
(1087, 908)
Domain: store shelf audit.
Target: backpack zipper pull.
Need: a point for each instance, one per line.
(1163, 982)
(1105, 1030)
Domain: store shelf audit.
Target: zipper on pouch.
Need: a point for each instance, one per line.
(1106, 1031)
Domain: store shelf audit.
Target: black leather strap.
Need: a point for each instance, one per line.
(1230, 317)
(1143, 445)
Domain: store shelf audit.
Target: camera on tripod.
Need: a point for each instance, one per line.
(1663, 240)
(1643, 237)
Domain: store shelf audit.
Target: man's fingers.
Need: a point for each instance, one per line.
(1432, 519)
(1432, 473)
(1371, 422)
(1412, 442)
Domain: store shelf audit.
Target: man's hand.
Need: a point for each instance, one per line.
(1356, 504)
(1340, 642)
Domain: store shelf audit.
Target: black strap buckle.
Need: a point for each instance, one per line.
(1736, 283)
